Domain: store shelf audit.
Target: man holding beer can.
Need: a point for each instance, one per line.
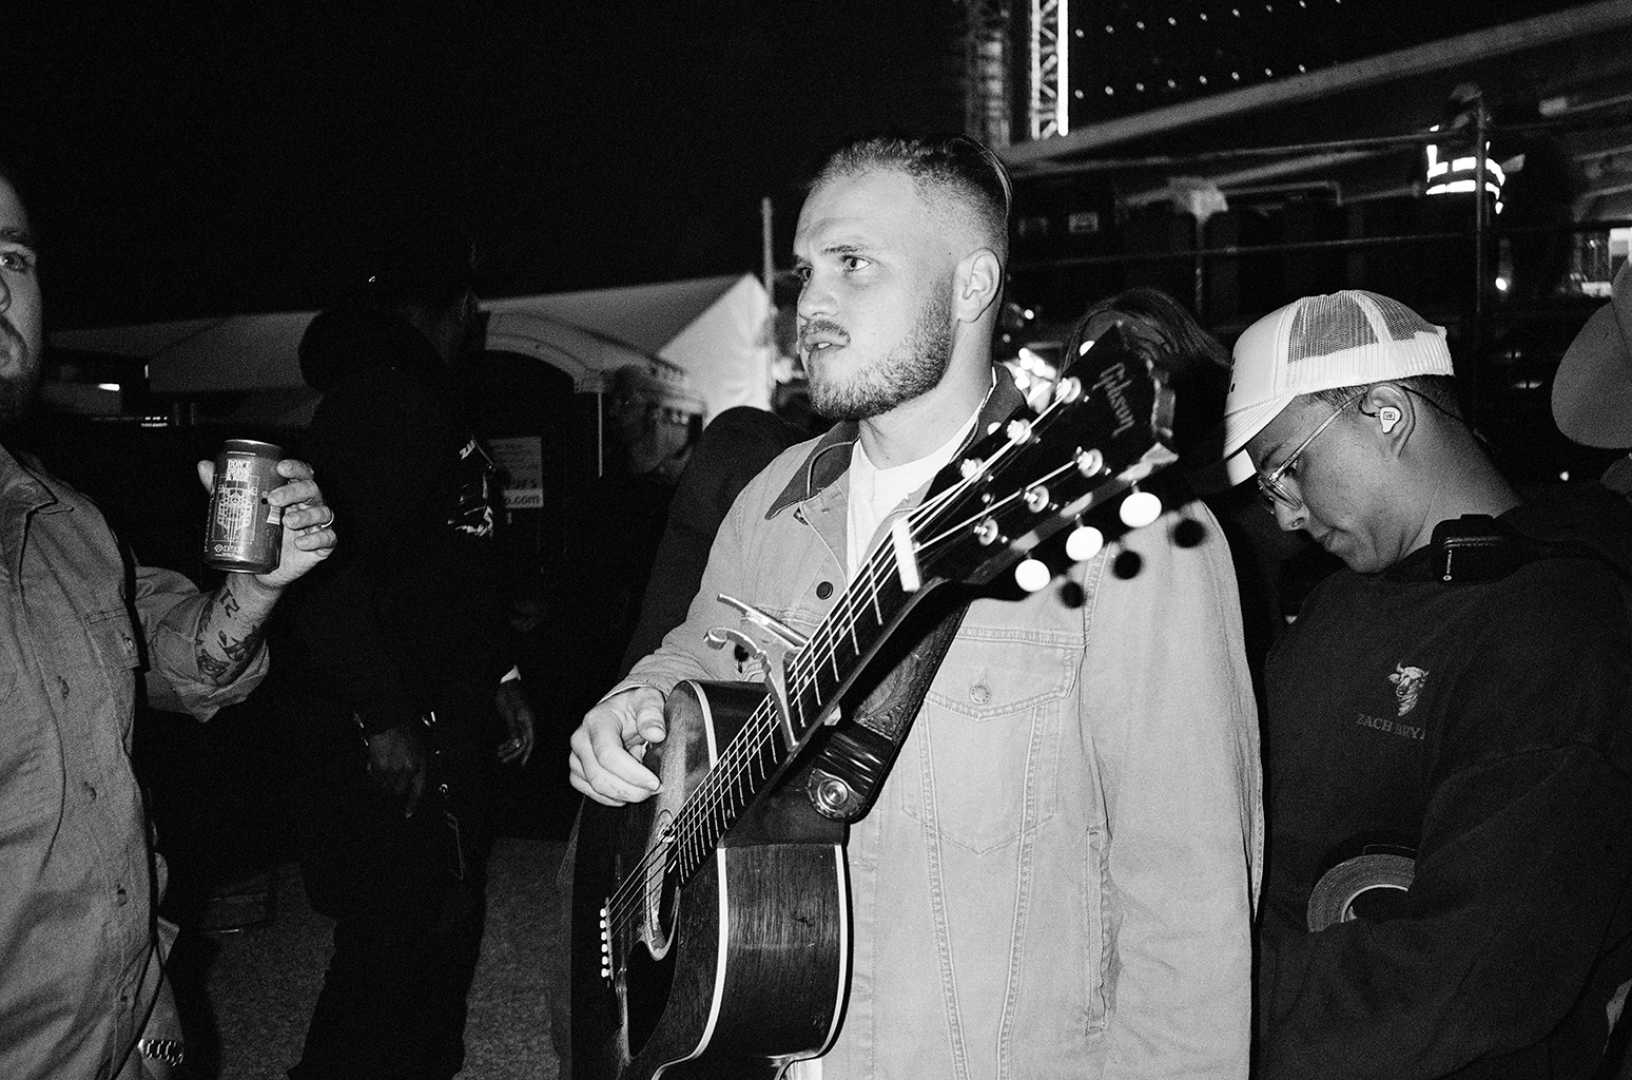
(84, 991)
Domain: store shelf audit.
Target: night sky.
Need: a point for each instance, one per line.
(240, 160)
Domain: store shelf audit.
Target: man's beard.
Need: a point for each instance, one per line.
(21, 365)
(916, 366)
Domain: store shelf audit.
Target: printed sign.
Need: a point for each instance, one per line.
(521, 470)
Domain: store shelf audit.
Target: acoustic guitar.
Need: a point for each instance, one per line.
(710, 923)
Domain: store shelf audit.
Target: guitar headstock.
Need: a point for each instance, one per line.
(1107, 429)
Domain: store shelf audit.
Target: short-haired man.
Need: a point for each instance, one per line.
(82, 986)
(1447, 722)
(1057, 877)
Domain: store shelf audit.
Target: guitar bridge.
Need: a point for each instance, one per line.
(606, 944)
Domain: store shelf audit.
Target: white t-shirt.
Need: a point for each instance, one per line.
(874, 492)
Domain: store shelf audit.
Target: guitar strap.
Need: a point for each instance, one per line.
(856, 755)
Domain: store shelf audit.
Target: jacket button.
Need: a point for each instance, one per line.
(120, 896)
(90, 791)
(824, 590)
(979, 694)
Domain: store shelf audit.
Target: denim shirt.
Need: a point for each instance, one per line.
(1058, 877)
(78, 972)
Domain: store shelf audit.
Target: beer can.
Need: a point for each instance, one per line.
(244, 533)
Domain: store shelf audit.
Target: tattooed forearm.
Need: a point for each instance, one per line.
(239, 650)
(212, 667)
(229, 658)
(227, 637)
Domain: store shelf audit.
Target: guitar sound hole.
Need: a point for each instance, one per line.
(660, 894)
(650, 967)
(668, 896)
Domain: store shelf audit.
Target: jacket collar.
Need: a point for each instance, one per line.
(830, 457)
(24, 490)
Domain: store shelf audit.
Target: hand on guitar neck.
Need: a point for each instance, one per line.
(608, 747)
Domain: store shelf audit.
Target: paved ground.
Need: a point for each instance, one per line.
(259, 984)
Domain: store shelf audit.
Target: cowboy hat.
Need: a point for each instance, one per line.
(1592, 392)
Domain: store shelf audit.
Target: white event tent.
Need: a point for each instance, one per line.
(714, 330)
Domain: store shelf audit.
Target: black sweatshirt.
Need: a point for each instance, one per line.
(1486, 725)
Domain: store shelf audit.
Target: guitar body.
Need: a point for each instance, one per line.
(744, 968)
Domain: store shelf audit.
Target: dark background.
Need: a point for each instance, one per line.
(242, 158)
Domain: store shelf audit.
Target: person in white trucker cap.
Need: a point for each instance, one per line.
(1321, 343)
(1447, 718)
(1352, 363)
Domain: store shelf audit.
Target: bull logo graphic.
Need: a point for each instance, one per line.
(1408, 683)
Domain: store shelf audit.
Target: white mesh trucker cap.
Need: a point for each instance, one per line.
(1348, 338)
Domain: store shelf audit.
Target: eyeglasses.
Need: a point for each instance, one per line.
(1272, 485)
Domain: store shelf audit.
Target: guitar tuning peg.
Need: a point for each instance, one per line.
(1033, 575)
(1139, 509)
(1084, 543)
(1090, 463)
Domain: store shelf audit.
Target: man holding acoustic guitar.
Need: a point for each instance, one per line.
(1450, 799)
(1055, 879)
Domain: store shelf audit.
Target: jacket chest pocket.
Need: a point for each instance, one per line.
(113, 643)
(60, 693)
(26, 750)
(989, 740)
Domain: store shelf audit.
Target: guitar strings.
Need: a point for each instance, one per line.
(711, 793)
(747, 745)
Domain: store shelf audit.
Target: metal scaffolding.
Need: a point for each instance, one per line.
(1050, 90)
(986, 97)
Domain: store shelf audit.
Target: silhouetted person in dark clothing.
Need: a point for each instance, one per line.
(411, 655)
(1539, 194)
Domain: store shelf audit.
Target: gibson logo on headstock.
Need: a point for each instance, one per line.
(1114, 381)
